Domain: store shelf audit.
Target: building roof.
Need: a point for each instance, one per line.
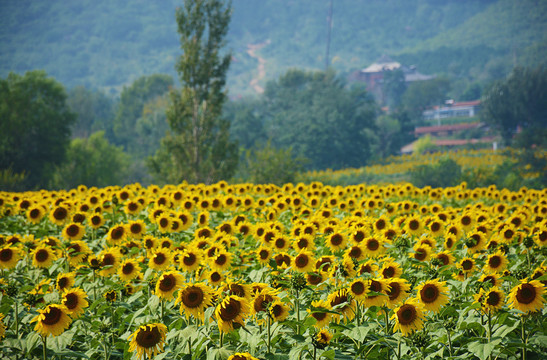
(379, 67)
(409, 148)
(451, 127)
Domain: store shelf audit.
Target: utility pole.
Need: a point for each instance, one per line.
(329, 28)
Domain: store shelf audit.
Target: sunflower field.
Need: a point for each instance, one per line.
(300, 271)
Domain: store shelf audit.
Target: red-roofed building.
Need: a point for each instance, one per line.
(453, 109)
(446, 130)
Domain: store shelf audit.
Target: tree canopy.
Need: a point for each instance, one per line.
(35, 126)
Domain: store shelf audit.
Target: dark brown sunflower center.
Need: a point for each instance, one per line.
(135, 228)
(117, 233)
(336, 239)
(467, 265)
(167, 283)
(280, 243)
(420, 254)
(373, 244)
(526, 294)
(215, 277)
(79, 218)
(359, 236)
(60, 213)
(71, 300)
(189, 259)
(192, 297)
(221, 259)
(429, 293)
(132, 206)
(42, 255)
(374, 286)
(380, 224)
(413, 225)
(52, 316)
(394, 290)
(128, 268)
(96, 220)
(406, 314)
(108, 259)
(435, 226)
(261, 302)
(355, 252)
(358, 288)
(6, 255)
(339, 299)
(444, 259)
(388, 272)
(466, 220)
(314, 279)
(72, 230)
(164, 222)
(493, 298)
(148, 337)
(277, 310)
(319, 315)
(62, 283)
(264, 254)
(160, 258)
(231, 310)
(301, 260)
(494, 261)
(34, 213)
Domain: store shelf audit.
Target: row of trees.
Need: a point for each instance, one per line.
(156, 132)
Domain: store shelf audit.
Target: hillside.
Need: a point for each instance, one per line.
(107, 44)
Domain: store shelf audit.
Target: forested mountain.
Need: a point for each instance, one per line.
(108, 44)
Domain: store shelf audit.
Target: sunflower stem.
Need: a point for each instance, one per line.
(268, 326)
(94, 286)
(17, 319)
(221, 339)
(190, 346)
(44, 347)
(297, 307)
(162, 309)
(314, 352)
(449, 341)
(523, 336)
(489, 331)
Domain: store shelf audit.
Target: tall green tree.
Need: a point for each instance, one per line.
(198, 148)
(519, 103)
(92, 161)
(95, 111)
(320, 118)
(420, 95)
(34, 127)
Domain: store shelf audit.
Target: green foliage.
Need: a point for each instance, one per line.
(320, 118)
(130, 109)
(116, 42)
(423, 94)
(446, 172)
(199, 148)
(10, 181)
(424, 144)
(520, 101)
(92, 161)
(95, 111)
(35, 126)
(268, 165)
(384, 136)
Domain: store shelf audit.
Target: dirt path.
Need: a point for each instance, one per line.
(251, 50)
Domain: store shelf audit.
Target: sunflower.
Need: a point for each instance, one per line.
(496, 262)
(35, 213)
(373, 246)
(320, 311)
(445, 258)
(52, 320)
(358, 289)
(355, 253)
(421, 252)
(304, 261)
(341, 301)
(369, 267)
(76, 252)
(433, 294)
(194, 299)
(74, 231)
(109, 261)
(65, 281)
(59, 215)
(391, 269)
(282, 260)
(491, 300)
(436, 227)
(414, 225)
(168, 283)
(376, 292)
(475, 242)
(336, 241)
(9, 256)
(242, 356)
(491, 279)
(279, 311)
(222, 261)
(357, 235)
(450, 241)
(43, 256)
(96, 221)
(238, 289)
(75, 301)
(263, 300)
(315, 278)
(190, 259)
(129, 270)
(232, 312)
(116, 234)
(324, 263)
(466, 221)
(467, 265)
(398, 290)
(527, 296)
(263, 254)
(160, 259)
(148, 340)
(136, 229)
(409, 317)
